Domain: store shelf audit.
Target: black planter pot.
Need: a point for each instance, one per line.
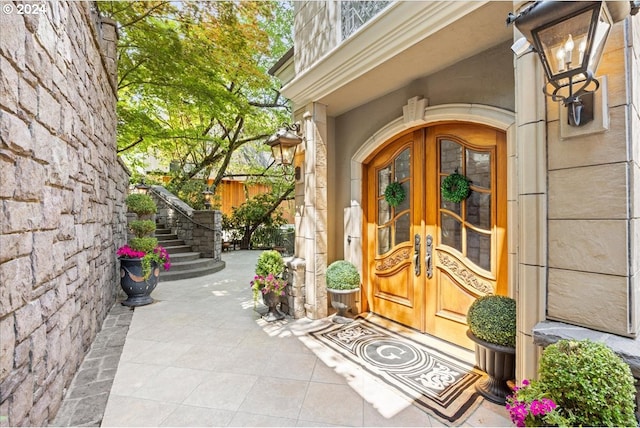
(499, 363)
(272, 300)
(133, 283)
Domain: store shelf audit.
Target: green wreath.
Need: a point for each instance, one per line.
(455, 188)
(394, 194)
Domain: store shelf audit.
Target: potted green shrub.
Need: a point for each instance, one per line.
(492, 327)
(268, 283)
(343, 282)
(141, 258)
(581, 383)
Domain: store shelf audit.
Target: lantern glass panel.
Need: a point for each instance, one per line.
(288, 152)
(565, 44)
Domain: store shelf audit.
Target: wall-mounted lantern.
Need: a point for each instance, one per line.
(284, 143)
(142, 188)
(569, 37)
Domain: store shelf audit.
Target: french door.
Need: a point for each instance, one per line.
(427, 259)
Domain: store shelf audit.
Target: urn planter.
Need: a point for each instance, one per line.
(342, 301)
(133, 283)
(271, 300)
(499, 363)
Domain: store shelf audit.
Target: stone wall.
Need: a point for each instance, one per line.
(62, 195)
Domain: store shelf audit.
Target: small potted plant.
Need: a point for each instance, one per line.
(343, 282)
(269, 284)
(492, 326)
(581, 383)
(141, 258)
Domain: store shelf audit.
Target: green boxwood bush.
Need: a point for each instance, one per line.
(342, 275)
(493, 319)
(142, 228)
(270, 261)
(146, 244)
(589, 382)
(140, 204)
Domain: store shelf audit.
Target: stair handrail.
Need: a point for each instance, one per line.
(172, 204)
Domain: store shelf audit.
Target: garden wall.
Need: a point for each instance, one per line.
(62, 192)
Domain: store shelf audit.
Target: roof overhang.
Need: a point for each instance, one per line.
(406, 41)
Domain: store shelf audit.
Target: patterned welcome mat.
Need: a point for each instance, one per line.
(440, 384)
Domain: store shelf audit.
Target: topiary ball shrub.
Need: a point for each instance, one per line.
(589, 382)
(140, 204)
(270, 262)
(342, 275)
(493, 319)
(142, 228)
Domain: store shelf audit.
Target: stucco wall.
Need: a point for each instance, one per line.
(61, 200)
(486, 78)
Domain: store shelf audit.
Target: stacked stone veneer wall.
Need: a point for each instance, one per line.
(62, 193)
(200, 229)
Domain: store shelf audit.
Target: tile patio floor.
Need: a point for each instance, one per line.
(201, 356)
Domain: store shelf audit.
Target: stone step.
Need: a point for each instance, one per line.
(162, 231)
(171, 243)
(174, 275)
(184, 257)
(166, 237)
(182, 265)
(178, 249)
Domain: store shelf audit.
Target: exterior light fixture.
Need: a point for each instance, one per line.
(569, 37)
(142, 188)
(284, 142)
(208, 194)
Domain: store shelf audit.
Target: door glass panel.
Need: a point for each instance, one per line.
(479, 248)
(402, 165)
(384, 241)
(479, 210)
(384, 212)
(404, 205)
(402, 229)
(451, 232)
(479, 168)
(450, 157)
(383, 179)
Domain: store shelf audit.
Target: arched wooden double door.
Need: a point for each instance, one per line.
(427, 259)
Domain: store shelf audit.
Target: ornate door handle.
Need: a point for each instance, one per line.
(427, 258)
(416, 254)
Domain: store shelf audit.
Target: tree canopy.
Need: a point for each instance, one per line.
(194, 94)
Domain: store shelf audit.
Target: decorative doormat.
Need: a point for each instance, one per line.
(440, 384)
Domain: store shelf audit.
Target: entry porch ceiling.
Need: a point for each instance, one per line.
(405, 42)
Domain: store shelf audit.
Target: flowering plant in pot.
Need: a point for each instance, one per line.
(269, 283)
(588, 384)
(141, 257)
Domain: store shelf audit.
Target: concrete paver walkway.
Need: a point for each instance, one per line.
(202, 356)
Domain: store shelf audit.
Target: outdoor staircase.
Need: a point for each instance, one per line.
(185, 263)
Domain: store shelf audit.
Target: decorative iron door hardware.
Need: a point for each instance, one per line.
(427, 258)
(416, 258)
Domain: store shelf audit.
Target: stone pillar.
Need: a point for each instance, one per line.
(528, 208)
(296, 289)
(314, 220)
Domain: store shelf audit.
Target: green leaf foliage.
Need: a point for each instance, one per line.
(140, 204)
(342, 275)
(493, 319)
(269, 262)
(142, 228)
(146, 244)
(589, 382)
